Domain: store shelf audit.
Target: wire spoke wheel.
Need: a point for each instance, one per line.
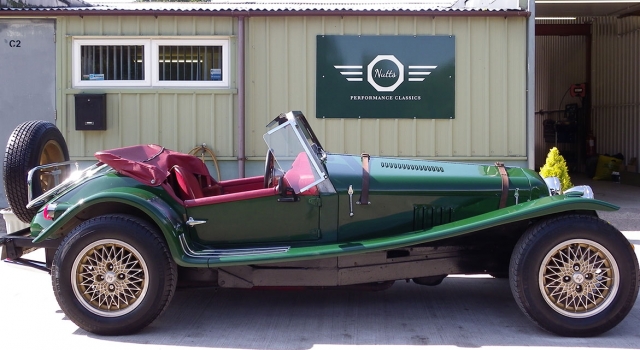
(574, 275)
(51, 153)
(109, 278)
(579, 278)
(113, 274)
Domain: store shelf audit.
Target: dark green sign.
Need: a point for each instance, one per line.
(385, 77)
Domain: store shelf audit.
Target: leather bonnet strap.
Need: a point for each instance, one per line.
(505, 184)
(364, 195)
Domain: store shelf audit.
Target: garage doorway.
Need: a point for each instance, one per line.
(562, 117)
(27, 76)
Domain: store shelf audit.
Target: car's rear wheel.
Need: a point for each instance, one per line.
(31, 144)
(574, 275)
(113, 275)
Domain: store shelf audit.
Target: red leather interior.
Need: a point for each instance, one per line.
(188, 185)
(301, 175)
(242, 185)
(233, 197)
(151, 164)
(188, 188)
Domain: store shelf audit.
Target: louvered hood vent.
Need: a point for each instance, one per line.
(427, 216)
(414, 167)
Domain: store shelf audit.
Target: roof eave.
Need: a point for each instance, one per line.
(41, 12)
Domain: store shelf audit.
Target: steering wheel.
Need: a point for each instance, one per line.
(269, 169)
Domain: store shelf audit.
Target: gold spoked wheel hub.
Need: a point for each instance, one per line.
(579, 278)
(109, 278)
(51, 153)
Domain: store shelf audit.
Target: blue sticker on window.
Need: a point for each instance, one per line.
(216, 74)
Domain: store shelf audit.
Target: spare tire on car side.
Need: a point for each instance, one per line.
(31, 144)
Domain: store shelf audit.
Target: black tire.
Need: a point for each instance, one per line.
(31, 144)
(91, 277)
(582, 255)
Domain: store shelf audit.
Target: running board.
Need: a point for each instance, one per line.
(227, 253)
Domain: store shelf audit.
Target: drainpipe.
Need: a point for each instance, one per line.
(241, 108)
(531, 85)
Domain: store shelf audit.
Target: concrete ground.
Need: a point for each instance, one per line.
(461, 312)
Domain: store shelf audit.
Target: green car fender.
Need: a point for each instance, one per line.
(166, 218)
(528, 210)
(171, 225)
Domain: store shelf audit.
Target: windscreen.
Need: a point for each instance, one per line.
(292, 153)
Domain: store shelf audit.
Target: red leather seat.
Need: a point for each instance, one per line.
(188, 186)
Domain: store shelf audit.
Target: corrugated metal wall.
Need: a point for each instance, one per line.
(616, 89)
(281, 58)
(560, 62)
(490, 87)
(176, 118)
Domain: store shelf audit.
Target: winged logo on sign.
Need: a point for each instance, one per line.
(355, 73)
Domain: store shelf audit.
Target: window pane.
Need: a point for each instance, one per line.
(112, 62)
(190, 63)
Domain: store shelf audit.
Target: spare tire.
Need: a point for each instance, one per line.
(31, 144)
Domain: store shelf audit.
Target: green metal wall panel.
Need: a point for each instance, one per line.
(516, 102)
(280, 70)
(490, 86)
(177, 118)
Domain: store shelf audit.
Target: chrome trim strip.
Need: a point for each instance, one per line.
(220, 253)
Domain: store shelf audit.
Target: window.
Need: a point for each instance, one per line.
(191, 63)
(111, 62)
(150, 62)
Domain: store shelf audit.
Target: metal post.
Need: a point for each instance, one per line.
(241, 106)
(531, 86)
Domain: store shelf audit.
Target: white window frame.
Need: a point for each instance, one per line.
(151, 62)
(76, 70)
(155, 65)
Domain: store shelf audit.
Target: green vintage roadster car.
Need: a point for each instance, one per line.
(120, 235)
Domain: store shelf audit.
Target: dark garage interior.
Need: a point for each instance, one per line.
(587, 96)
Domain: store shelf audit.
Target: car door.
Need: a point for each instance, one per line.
(257, 220)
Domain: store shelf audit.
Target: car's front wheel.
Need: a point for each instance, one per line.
(574, 275)
(113, 275)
